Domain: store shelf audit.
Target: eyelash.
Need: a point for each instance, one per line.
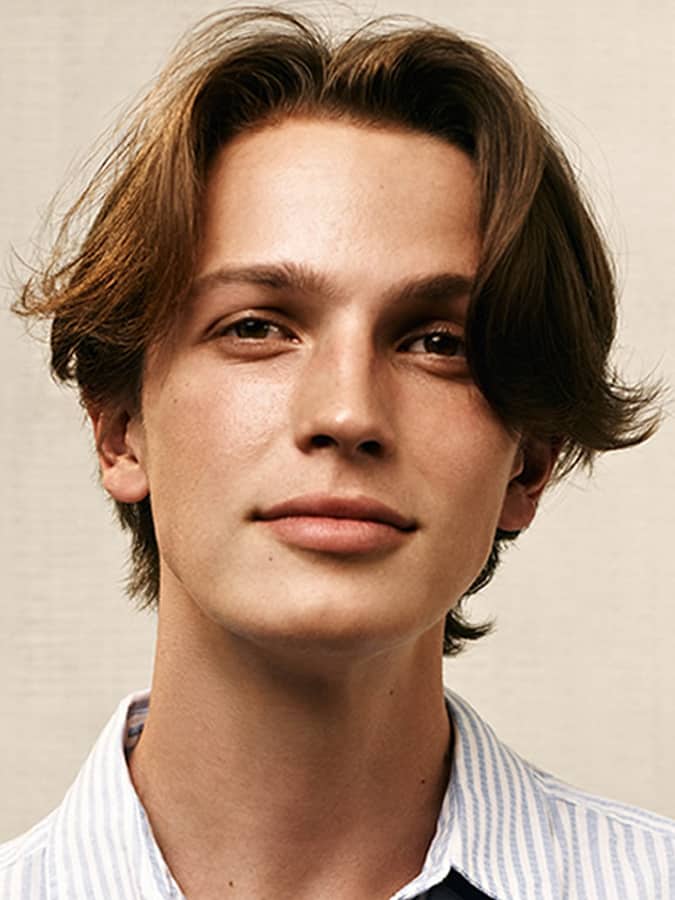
(443, 330)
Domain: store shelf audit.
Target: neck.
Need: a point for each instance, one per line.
(289, 779)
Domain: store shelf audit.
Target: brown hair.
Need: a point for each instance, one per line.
(542, 316)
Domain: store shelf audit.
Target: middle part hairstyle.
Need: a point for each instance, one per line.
(542, 315)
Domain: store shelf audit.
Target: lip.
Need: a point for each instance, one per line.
(337, 524)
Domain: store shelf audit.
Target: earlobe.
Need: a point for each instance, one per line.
(120, 451)
(534, 467)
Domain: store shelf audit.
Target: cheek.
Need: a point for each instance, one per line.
(464, 455)
(213, 418)
(204, 435)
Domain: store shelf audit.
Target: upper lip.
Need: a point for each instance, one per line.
(360, 507)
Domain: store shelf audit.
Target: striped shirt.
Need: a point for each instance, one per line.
(506, 830)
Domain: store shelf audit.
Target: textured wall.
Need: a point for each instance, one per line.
(579, 675)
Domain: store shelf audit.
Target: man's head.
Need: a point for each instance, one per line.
(394, 156)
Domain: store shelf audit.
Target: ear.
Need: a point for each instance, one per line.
(532, 471)
(120, 447)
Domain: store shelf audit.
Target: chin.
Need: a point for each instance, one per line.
(331, 632)
(310, 616)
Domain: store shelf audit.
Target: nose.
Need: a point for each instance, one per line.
(341, 400)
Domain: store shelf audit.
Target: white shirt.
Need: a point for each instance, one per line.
(506, 828)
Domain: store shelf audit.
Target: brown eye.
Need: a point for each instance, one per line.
(440, 342)
(257, 329)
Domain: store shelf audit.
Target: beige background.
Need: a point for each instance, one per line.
(579, 676)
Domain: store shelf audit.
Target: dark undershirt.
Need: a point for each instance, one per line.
(455, 887)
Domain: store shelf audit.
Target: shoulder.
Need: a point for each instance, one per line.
(608, 841)
(536, 830)
(23, 862)
(621, 815)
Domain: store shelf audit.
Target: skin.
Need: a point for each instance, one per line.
(297, 743)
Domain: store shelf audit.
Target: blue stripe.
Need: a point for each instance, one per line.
(475, 817)
(82, 828)
(108, 817)
(543, 812)
(654, 864)
(559, 832)
(463, 818)
(529, 833)
(635, 863)
(575, 856)
(499, 798)
(617, 867)
(481, 839)
(592, 827)
(515, 857)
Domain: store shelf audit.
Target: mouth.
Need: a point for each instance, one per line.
(337, 524)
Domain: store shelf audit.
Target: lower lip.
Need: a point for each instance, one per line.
(331, 535)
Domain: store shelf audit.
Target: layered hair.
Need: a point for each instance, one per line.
(542, 315)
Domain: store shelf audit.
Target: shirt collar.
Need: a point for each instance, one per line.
(492, 826)
(498, 833)
(102, 821)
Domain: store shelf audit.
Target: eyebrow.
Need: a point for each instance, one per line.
(291, 276)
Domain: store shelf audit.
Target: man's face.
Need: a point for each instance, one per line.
(340, 383)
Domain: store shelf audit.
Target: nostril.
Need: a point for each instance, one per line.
(370, 447)
(374, 448)
(323, 440)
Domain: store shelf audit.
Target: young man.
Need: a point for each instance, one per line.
(339, 319)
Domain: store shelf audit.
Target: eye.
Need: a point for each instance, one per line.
(253, 328)
(439, 341)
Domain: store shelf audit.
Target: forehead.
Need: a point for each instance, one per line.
(361, 205)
